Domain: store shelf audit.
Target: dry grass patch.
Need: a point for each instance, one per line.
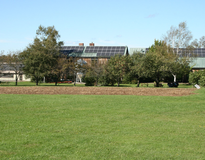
(98, 91)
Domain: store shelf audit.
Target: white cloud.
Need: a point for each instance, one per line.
(118, 36)
(152, 15)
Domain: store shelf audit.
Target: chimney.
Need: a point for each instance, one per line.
(92, 44)
(81, 44)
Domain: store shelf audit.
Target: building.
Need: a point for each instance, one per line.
(87, 54)
(92, 52)
(7, 73)
(198, 62)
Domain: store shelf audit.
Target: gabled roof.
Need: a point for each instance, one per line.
(94, 51)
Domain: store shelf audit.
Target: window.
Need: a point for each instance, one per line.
(7, 75)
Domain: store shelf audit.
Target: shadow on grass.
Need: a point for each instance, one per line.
(142, 85)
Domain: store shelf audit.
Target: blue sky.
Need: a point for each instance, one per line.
(131, 23)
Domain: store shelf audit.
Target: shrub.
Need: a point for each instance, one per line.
(202, 81)
(194, 77)
(197, 78)
(89, 81)
(134, 81)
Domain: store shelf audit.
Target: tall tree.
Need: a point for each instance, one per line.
(156, 60)
(15, 63)
(95, 70)
(137, 67)
(2, 61)
(178, 37)
(118, 66)
(199, 43)
(40, 57)
(60, 68)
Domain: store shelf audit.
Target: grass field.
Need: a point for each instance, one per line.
(102, 127)
(150, 85)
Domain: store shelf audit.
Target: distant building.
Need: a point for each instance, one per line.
(87, 54)
(92, 52)
(198, 63)
(7, 73)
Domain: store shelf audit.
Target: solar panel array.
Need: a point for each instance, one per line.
(72, 49)
(101, 51)
(198, 52)
(106, 51)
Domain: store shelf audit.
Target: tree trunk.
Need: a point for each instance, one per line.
(97, 82)
(138, 83)
(74, 78)
(56, 83)
(36, 82)
(16, 80)
(157, 82)
(175, 77)
(118, 82)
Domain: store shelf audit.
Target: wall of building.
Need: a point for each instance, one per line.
(12, 77)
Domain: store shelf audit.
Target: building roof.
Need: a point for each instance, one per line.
(198, 62)
(94, 51)
(198, 52)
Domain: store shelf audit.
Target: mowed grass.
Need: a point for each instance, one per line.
(102, 127)
(145, 85)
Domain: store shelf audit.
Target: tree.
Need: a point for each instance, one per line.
(14, 61)
(2, 60)
(157, 60)
(75, 65)
(200, 43)
(60, 68)
(95, 70)
(138, 68)
(160, 61)
(177, 39)
(40, 57)
(117, 67)
(197, 77)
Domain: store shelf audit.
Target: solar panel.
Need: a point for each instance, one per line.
(70, 50)
(102, 51)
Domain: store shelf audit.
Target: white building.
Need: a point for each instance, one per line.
(7, 73)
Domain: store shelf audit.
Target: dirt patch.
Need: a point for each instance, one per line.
(98, 91)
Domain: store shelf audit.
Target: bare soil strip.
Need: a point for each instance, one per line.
(98, 91)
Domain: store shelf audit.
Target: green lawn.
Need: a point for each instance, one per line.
(102, 127)
(150, 85)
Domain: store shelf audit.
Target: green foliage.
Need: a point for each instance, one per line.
(117, 67)
(202, 81)
(14, 61)
(60, 69)
(40, 57)
(155, 62)
(161, 61)
(138, 70)
(89, 81)
(95, 71)
(194, 78)
(197, 77)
